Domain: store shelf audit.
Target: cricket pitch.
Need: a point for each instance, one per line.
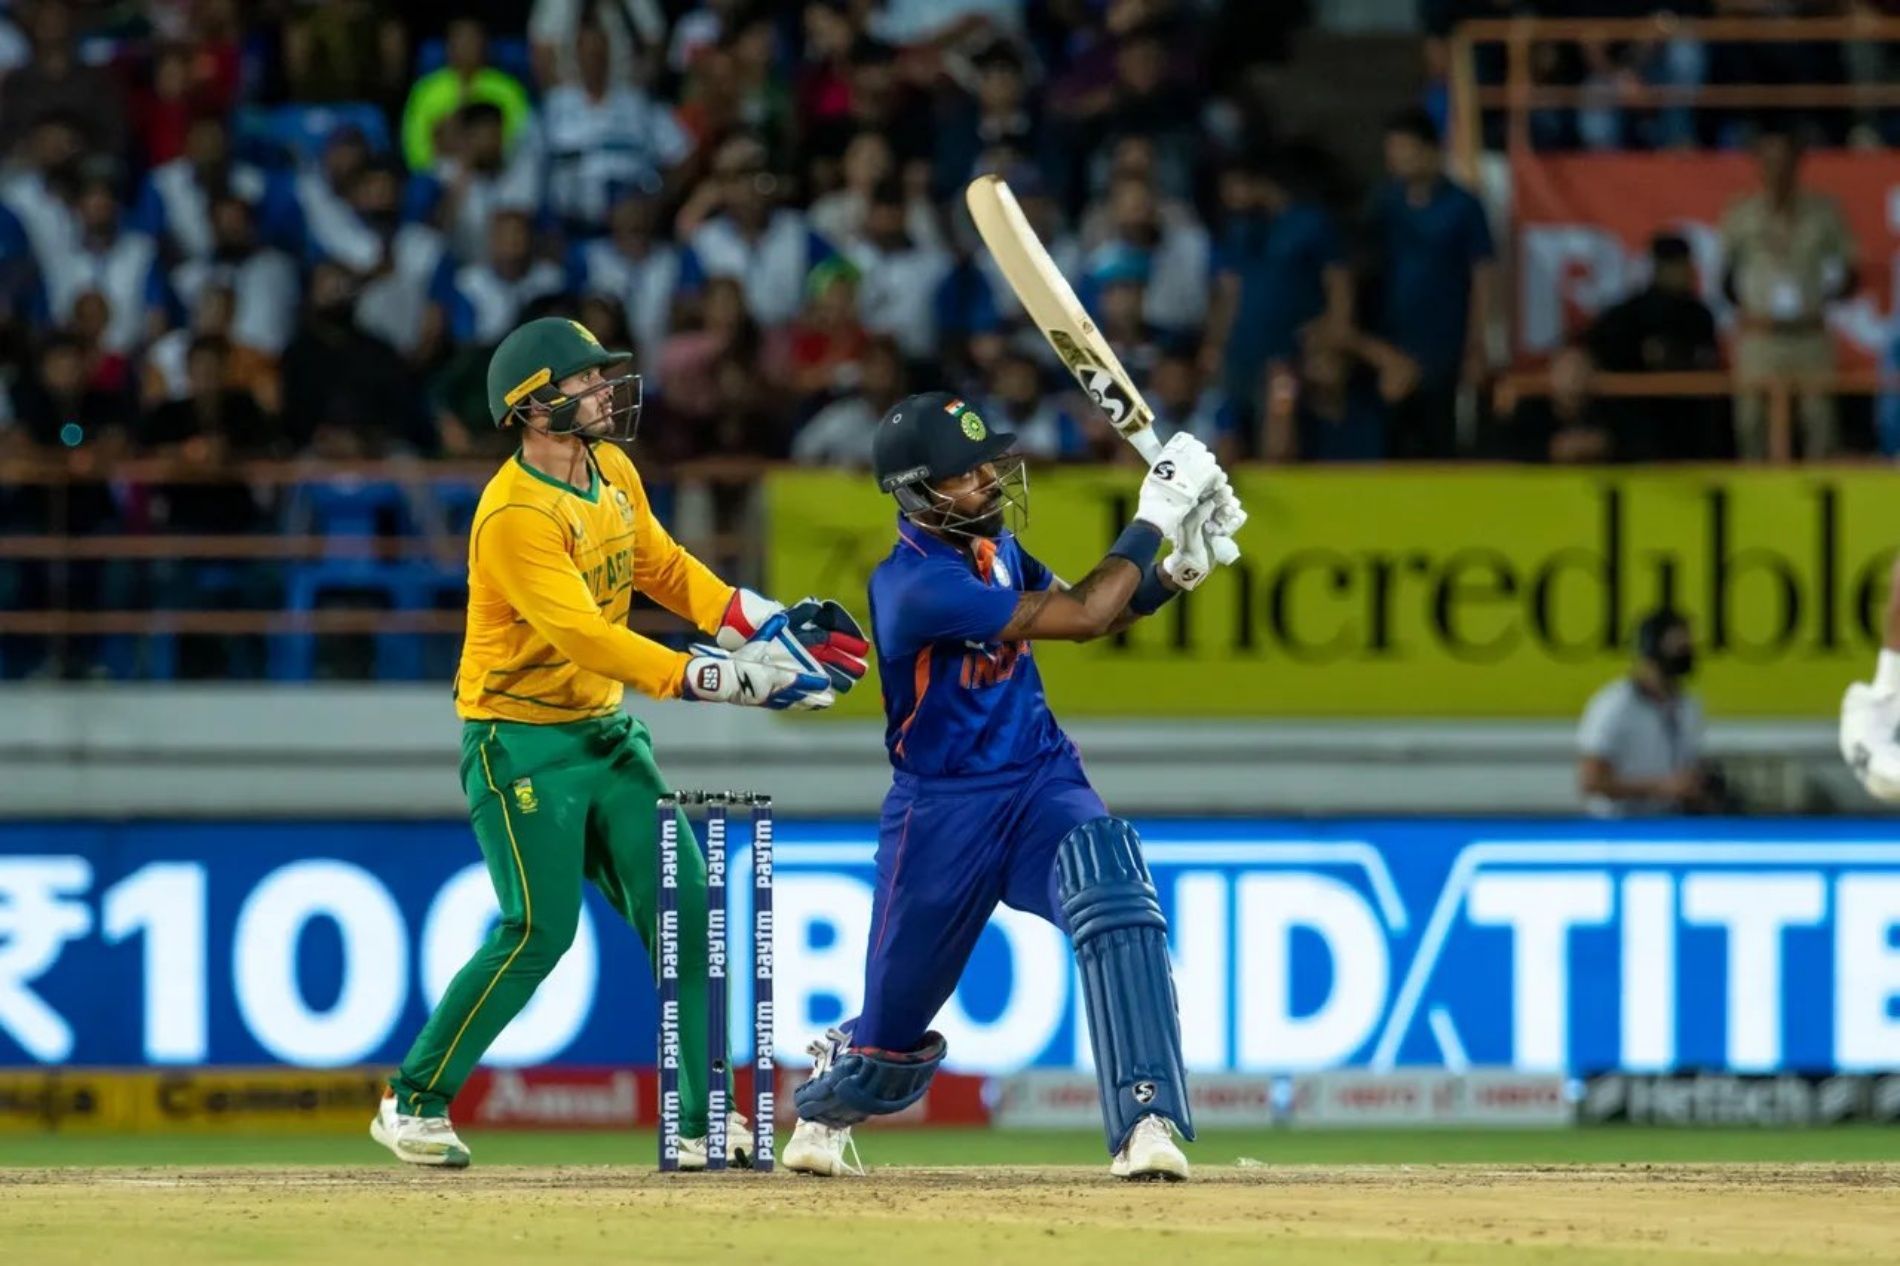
(1709, 1215)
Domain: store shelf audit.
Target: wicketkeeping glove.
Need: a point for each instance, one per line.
(754, 676)
(833, 638)
(745, 615)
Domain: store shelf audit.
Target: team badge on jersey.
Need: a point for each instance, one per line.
(525, 799)
(625, 507)
(1000, 571)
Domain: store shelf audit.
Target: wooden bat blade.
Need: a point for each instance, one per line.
(1052, 304)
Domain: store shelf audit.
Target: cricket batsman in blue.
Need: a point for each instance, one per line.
(988, 800)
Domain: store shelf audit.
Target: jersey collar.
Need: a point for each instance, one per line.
(590, 493)
(924, 542)
(930, 544)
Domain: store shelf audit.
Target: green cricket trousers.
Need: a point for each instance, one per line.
(553, 805)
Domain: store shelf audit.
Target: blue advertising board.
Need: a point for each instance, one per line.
(1741, 945)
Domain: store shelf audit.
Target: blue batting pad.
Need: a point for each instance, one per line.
(1121, 946)
(865, 1082)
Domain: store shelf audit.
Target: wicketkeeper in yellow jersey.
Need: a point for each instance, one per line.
(561, 782)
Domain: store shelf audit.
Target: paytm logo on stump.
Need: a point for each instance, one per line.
(1298, 946)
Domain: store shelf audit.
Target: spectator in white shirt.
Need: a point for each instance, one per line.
(1180, 256)
(868, 162)
(122, 266)
(476, 176)
(840, 434)
(605, 138)
(636, 268)
(734, 227)
(397, 266)
(630, 27)
(40, 181)
(263, 280)
(900, 276)
(1640, 742)
(322, 190)
(175, 206)
(485, 299)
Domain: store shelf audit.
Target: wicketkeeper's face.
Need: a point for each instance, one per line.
(592, 401)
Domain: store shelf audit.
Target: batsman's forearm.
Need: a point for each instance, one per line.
(1083, 612)
(1105, 592)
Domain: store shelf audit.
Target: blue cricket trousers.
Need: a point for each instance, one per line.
(948, 850)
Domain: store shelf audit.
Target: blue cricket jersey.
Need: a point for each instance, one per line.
(956, 700)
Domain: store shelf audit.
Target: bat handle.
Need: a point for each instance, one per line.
(1147, 443)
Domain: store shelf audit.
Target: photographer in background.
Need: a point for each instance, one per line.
(1640, 742)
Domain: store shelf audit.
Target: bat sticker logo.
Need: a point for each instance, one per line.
(1102, 390)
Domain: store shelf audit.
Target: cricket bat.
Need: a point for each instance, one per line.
(1051, 303)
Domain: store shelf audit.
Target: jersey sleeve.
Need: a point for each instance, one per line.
(1036, 576)
(522, 550)
(664, 571)
(941, 602)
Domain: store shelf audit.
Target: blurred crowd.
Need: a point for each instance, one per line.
(298, 227)
(295, 227)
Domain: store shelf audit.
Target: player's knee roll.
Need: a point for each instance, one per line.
(863, 1083)
(1121, 945)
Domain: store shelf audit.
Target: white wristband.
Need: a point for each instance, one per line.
(1887, 673)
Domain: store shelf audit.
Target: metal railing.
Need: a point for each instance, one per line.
(1781, 395)
(65, 564)
(1520, 94)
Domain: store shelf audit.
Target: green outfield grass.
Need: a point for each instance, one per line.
(1603, 1146)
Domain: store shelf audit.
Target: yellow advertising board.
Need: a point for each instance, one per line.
(189, 1100)
(1494, 591)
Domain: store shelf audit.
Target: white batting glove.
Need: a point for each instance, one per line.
(1192, 559)
(1182, 475)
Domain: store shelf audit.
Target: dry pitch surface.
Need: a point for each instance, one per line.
(1707, 1215)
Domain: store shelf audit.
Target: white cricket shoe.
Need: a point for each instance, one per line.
(1150, 1153)
(740, 1146)
(815, 1148)
(821, 1150)
(418, 1140)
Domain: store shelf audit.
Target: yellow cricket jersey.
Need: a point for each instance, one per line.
(551, 575)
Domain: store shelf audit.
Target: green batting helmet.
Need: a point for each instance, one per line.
(527, 370)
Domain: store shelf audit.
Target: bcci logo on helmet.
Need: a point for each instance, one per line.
(973, 427)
